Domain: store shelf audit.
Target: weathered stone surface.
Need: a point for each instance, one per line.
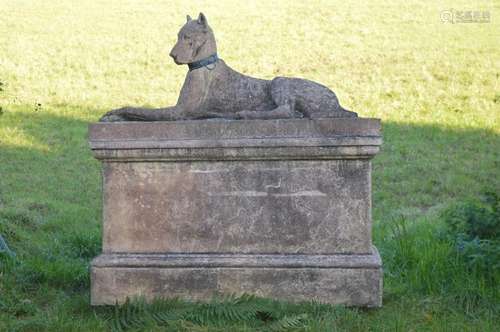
(277, 199)
(203, 133)
(294, 206)
(340, 279)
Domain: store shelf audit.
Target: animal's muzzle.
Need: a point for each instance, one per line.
(174, 56)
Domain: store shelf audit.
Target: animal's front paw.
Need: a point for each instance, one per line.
(115, 115)
(245, 115)
(111, 118)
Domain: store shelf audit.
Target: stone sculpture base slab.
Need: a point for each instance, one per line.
(338, 279)
(275, 208)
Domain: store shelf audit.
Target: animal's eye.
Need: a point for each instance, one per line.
(186, 37)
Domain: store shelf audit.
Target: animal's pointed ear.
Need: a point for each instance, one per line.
(188, 18)
(202, 20)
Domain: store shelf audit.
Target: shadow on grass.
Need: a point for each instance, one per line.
(423, 167)
(50, 210)
(45, 156)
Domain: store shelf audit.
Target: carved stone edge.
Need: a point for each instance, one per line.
(299, 139)
(218, 154)
(186, 260)
(230, 143)
(223, 129)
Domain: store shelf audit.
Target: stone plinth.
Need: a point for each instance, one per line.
(277, 208)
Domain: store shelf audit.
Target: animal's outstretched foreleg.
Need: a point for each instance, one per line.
(143, 114)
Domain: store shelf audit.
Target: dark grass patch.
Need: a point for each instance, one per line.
(422, 257)
(84, 245)
(240, 312)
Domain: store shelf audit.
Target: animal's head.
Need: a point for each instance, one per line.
(195, 41)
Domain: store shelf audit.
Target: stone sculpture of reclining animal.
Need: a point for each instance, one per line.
(213, 90)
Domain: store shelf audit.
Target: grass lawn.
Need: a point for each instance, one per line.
(435, 86)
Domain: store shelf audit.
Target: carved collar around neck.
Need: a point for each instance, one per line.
(203, 62)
